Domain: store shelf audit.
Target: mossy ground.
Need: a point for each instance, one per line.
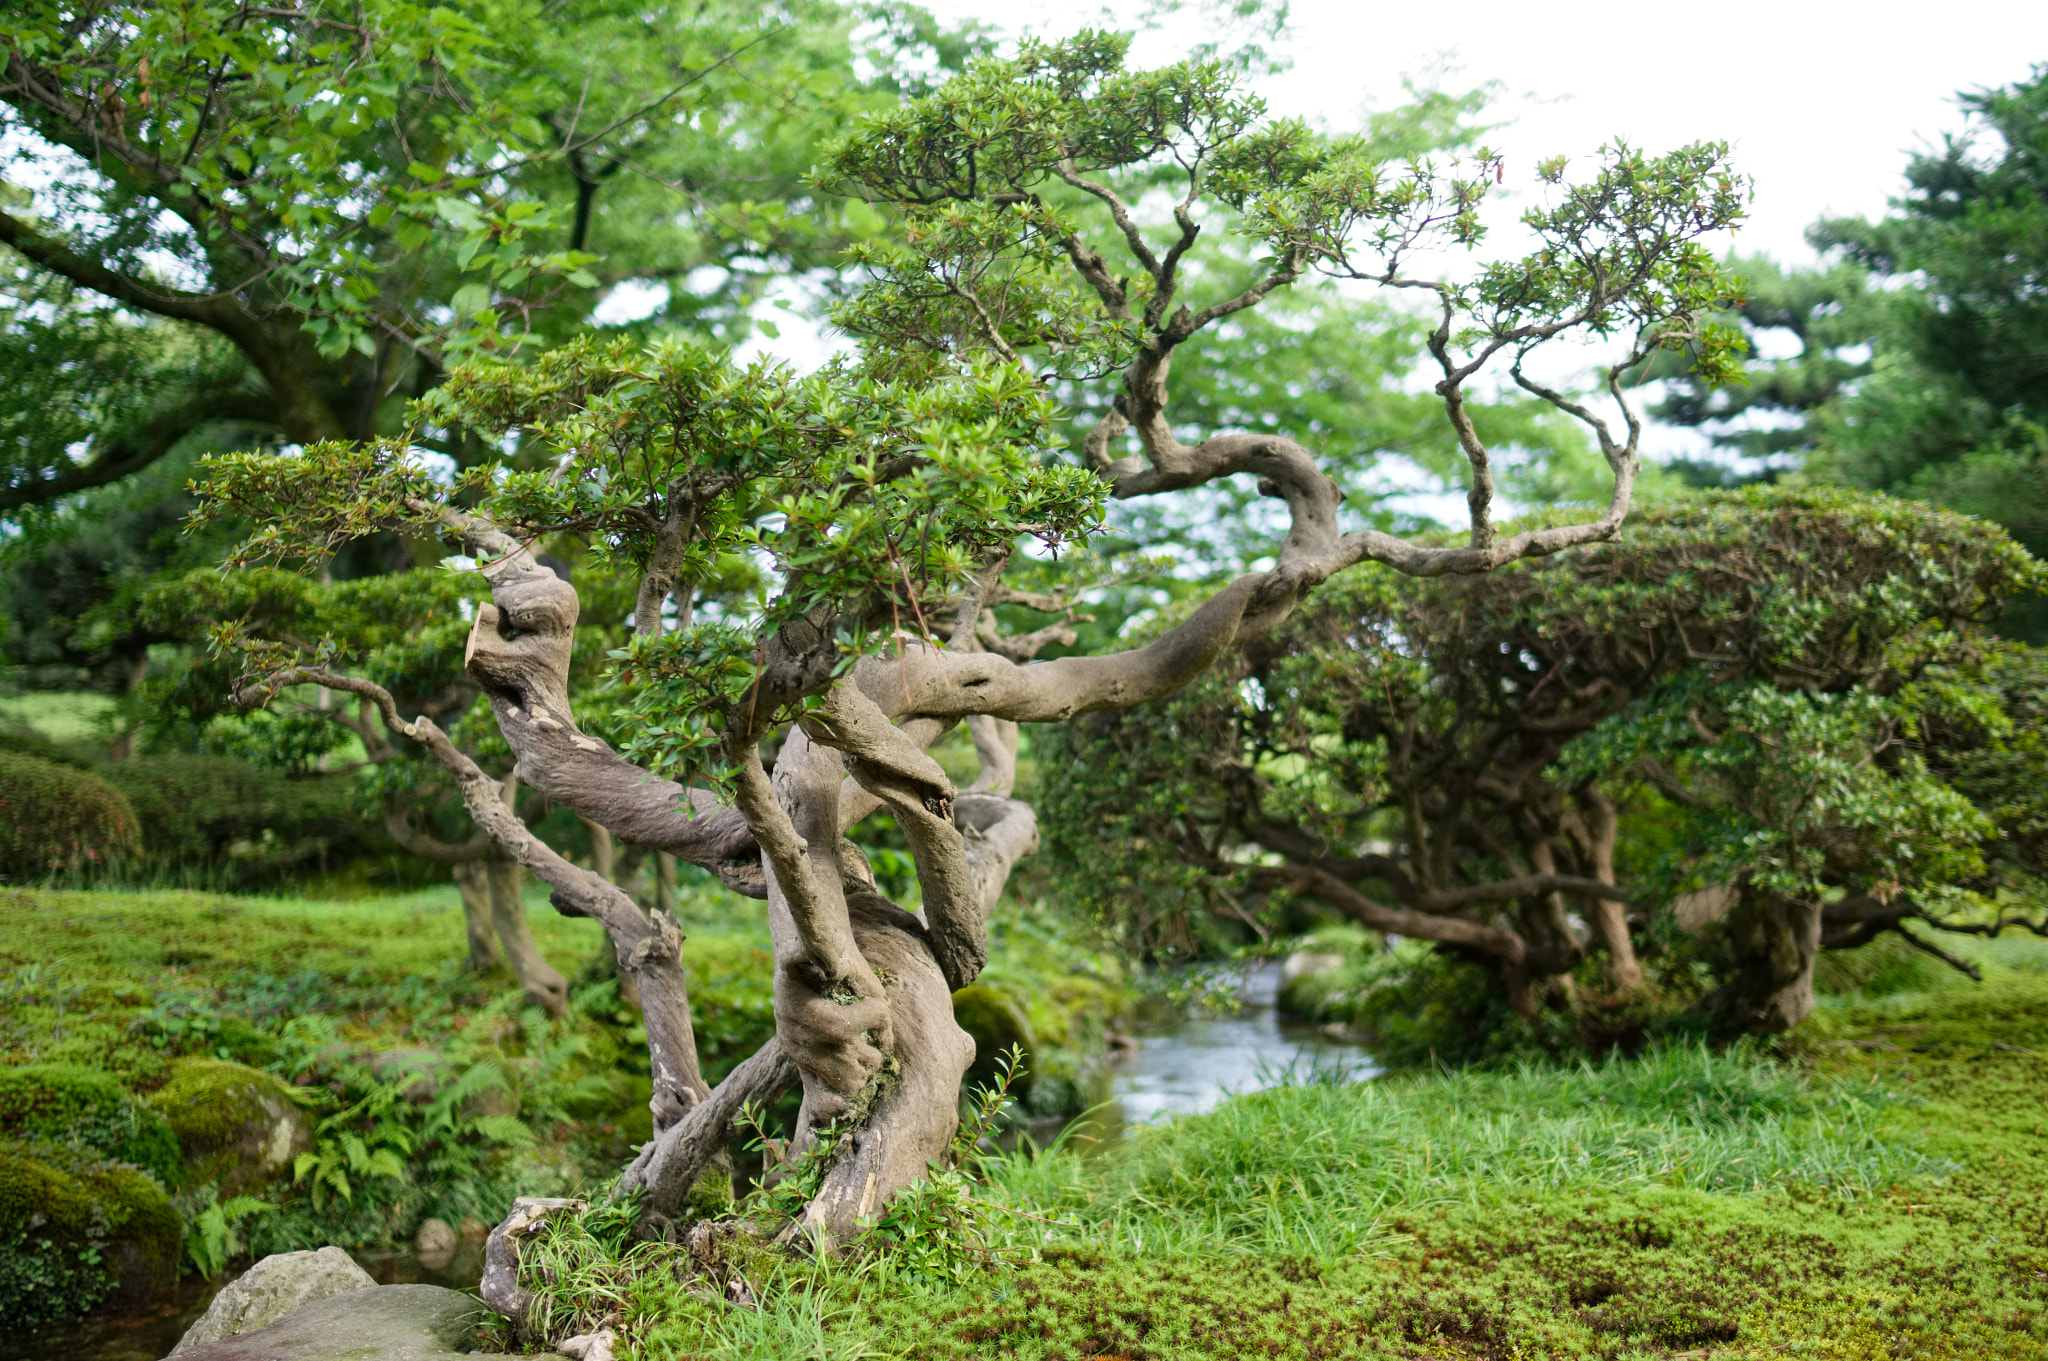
(142, 985)
(1928, 1239)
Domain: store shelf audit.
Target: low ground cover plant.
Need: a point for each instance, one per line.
(426, 1089)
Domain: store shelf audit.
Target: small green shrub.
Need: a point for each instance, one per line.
(1417, 1006)
(998, 1026)
(55, 818)
(79, 1108)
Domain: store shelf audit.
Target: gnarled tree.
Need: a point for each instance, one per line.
(883, 500)
(1799, 681)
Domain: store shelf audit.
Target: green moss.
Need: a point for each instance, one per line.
(224, 1113)
(75, 1233)
(710, 1196)
(66, 1104)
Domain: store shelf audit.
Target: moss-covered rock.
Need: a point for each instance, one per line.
(235, 1125)
(63, 1103)
(996, 1022)
(77, 1234)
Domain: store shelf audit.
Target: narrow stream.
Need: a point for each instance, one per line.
(1190, 1063)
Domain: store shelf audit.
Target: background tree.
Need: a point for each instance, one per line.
(334, 199)
(1923, 361)
(1777, 709)
(881, 499)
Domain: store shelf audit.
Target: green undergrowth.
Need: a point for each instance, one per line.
(1875, 1187)
(349, 1001)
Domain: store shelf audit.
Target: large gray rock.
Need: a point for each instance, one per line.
(377, 1323)
(1307, 964)
(271, 1289)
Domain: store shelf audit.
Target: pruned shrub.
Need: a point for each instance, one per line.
(55, 818)
(216, 811)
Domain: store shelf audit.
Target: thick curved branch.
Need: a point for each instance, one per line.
(995, 748)
(1499, 942)
(892, 767)
(801, 879)
(133, 450)
(519, 651)
(668, 1166)
(48, 252)
(649, 948)
(998, 832)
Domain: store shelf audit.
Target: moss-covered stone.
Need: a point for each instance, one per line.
(711, 1194)
(77, 1234)
(63, 1103)
(996, 1022)
(235, 1125)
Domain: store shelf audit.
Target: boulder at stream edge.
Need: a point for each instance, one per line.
(375, 1323)
(274, 1287)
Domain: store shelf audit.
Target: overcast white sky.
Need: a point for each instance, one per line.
(1822, 101)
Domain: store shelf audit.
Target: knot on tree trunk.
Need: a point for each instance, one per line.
(662, 943)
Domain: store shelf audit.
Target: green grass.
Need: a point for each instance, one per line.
(61, 715)
(1320, 1168)
(1878, 1189)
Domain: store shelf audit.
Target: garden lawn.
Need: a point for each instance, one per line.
(121, 980)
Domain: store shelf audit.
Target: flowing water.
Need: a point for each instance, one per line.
(1186, 1064)
(1183, 1064)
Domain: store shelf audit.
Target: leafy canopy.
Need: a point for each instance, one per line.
(862, 502)
(992, 173)
(1795, 682)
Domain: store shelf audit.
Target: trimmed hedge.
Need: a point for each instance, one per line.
(216, 810)
(54, 818)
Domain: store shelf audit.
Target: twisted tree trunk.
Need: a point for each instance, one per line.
(1777, 939)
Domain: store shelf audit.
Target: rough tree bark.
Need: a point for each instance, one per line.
(1777, 940)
